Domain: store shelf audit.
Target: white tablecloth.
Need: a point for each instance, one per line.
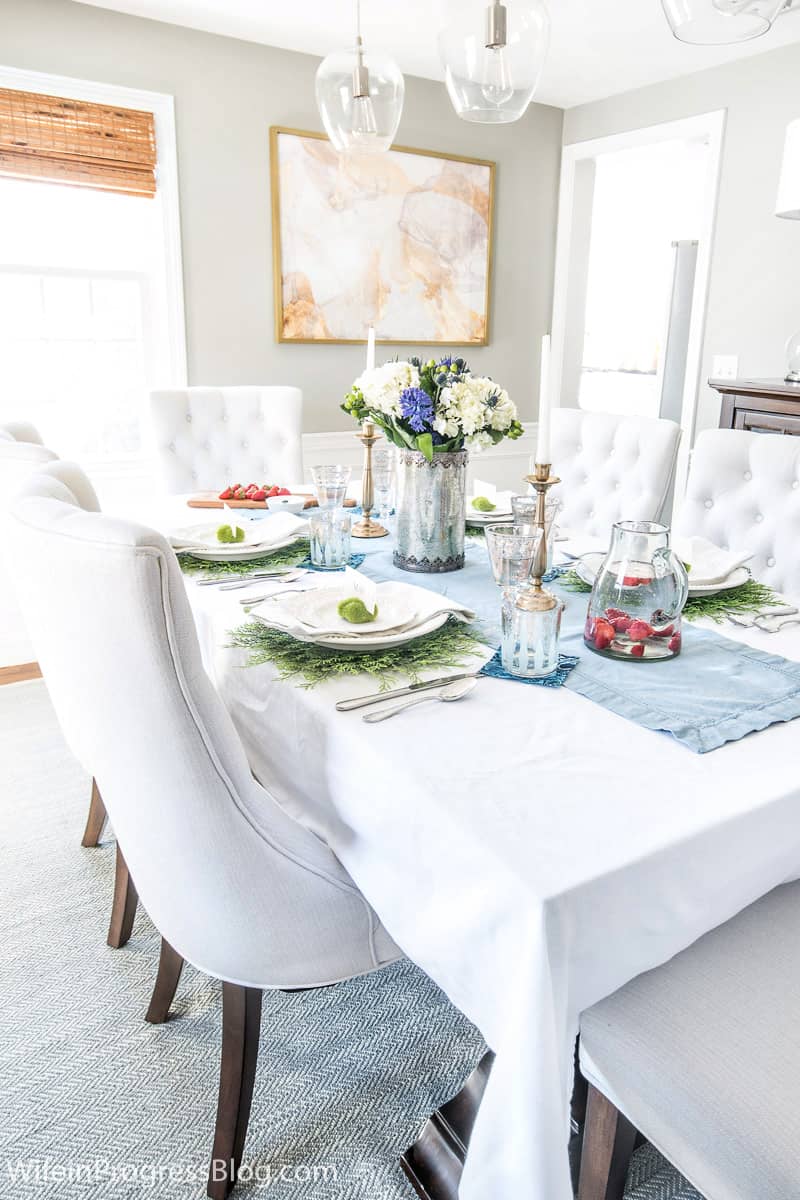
(530, 850)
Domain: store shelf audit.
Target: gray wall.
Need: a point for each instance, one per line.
(754, 297)
(227, 94)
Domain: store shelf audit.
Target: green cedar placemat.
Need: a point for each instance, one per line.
(747, 598)
(445, 649)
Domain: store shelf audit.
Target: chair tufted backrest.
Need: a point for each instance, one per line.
(743, 492)
(234, 884)
(611, 468)
(205, 438)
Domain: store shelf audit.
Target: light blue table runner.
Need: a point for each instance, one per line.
(715, 691)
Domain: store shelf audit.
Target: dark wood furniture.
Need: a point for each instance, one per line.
(760, 405)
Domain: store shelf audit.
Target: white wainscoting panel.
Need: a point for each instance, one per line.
(505, 465)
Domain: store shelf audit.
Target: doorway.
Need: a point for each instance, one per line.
(636, 223)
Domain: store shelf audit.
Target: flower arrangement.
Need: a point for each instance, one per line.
(433, 407)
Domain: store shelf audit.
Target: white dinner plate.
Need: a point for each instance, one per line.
(236, 553)
(364, 642)
(587, 566)
(492, 518)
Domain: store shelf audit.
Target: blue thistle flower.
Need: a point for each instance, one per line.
(416, 407)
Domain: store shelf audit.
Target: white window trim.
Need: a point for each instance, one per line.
(162, 106)
(711, 125)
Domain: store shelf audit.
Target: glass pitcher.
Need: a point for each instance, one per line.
(638, 595)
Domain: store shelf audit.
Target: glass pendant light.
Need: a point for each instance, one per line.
(360, 98)
(493, 54)
(721, 22)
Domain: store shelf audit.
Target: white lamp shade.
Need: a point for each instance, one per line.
(354, 124)
(720, 22)
(789, 188)
(493, 86)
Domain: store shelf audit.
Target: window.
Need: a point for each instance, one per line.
(90, 313)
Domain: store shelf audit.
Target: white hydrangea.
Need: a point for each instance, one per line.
(383, 386)
(465, 408)
(479, 441)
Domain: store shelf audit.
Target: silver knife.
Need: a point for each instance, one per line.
(239, 578)
(361, 701)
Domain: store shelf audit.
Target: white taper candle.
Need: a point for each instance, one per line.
(371, 348)
(545, 398)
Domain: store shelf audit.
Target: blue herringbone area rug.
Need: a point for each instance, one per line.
(96, 1103)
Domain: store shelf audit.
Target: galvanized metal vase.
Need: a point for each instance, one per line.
(431, 511)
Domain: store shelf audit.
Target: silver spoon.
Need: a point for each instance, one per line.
(453, 691)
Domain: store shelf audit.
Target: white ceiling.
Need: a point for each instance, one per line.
(599, 47)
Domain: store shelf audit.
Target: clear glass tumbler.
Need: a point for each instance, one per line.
(524, 510)
(330, 538)
(530, 644)
(383, 471)
(511, 554)
(330, 484)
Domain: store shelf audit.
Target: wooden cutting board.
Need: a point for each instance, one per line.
(212, 500)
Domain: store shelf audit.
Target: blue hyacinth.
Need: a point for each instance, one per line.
(416, 407)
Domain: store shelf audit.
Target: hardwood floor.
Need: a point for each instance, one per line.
(20, 673)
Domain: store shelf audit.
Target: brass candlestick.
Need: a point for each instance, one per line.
(366, 527)
(536, 598)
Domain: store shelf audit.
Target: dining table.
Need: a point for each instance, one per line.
(530, 849)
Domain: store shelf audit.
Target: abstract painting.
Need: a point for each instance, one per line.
(400, 240)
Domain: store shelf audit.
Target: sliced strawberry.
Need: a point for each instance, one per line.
(225, 494)
(259, 494)
(630, 580)
(240, 494)
(637, 651)
(284, 492)
(273, 491)
(639, 630)
(622, 624)
(603, 634)
(675, 643)
(612, 613)
(666, 632)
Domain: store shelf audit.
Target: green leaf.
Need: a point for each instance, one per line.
(425, 445)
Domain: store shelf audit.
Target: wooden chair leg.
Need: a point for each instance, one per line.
(608, 1142)
(96, 820)
(123, 908)
(170, 965)
(241, 1028)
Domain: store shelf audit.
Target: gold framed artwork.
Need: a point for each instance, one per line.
(401, 241)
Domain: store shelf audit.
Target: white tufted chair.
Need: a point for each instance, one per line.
(205, 438)
(611, 468)
(743, 492)
(233, 883)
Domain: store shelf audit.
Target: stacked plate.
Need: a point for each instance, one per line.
(711, 569)
(273, 532)
(501, 514)
(404, 612)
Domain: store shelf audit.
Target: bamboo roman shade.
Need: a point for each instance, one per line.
(76, 142)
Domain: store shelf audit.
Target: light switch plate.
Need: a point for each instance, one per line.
(725, 366)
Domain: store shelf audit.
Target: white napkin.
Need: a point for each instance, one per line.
(268, 532)
(709, 564)
(501, 500)
(401, 606)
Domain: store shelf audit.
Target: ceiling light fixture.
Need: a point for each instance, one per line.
(722, 22)
(360, 97)
(493, 56)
